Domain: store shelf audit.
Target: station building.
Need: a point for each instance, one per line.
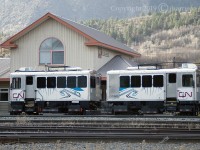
(55, 41)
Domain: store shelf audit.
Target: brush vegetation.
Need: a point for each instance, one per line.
(167, 35)
(157, 36)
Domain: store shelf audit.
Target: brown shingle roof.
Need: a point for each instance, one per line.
(99, 36)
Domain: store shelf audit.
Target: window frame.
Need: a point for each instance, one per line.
(184, 82)
(51, 51)
(51, 82)
(133, 85)
(19, 83)
(29, 80)
(74, 77)
(42, 87)
(80, 84)
(171, 78)
(128, 81)
(58, 82)
(156, 83)
(145, 84)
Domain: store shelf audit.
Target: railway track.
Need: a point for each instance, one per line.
(115, 127)
(102, 121)
(22, 133)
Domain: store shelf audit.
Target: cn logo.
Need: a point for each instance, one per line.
(184, 94)
(18, 95)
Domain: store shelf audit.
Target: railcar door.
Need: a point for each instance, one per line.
(186, 88)
(17, 89)
(171, 85)
(113, 87)
(30, 87)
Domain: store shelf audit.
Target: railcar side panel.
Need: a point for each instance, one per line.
(74, 88)
(136, 87)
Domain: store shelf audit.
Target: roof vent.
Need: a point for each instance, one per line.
(25, 69)
(142, 68)
(189, 66)
(63, 68)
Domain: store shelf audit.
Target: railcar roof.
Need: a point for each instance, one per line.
(52, 73)
(156, 71)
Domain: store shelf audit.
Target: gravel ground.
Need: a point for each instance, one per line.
(103, 145)
(54, 118)
(164, 144)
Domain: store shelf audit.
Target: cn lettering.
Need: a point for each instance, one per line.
(18, 95)
(185, 94)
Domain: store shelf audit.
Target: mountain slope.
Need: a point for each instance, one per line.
(16, 14)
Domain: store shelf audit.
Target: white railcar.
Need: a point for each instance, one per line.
(154, 90)
(71, 89)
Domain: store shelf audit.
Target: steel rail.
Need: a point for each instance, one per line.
(105, 116)
(63, 132)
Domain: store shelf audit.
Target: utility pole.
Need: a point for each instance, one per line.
(174, 63)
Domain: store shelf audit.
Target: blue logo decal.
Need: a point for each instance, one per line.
(65, 93)
(129, 93)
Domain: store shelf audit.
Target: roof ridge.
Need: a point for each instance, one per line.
(78, 23)
(125, 61)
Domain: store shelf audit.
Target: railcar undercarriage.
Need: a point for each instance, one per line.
(97, 108)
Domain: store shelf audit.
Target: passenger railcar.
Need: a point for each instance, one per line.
(134, 90)
(150, 90)
(71, 89)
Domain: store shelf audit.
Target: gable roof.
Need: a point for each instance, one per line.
(95, 37)
(116, 63)
(4, 69)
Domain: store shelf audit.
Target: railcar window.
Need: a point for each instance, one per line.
(61, 82)
(124, 81)
(92, 82)
(135, 81)
(16, 83)
(82, 81)
(29, 80)
(51, 82)
(187, 80)
(146, 81)
(71, 82)
(172, 78)
(41, 82)
(158, 80)
(198, 80)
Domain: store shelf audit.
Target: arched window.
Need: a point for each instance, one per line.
(51, 51)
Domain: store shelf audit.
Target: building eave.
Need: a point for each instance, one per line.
(9, 42)
(96, 43)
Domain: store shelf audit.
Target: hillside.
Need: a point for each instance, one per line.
(16, 14)
(165, 28)
(172, 34)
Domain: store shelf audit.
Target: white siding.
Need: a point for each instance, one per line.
(107, 55)
(76, 53)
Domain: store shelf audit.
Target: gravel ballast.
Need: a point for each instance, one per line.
(103, 145)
